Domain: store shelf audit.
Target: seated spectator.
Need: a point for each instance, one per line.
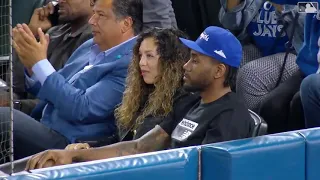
(263, 23)
(267, 25)
(64, 38)
(218, 116)
(287, 113)
(271, 77)
(309, 61)
(158, 13)
(154, 82)
(79, 100)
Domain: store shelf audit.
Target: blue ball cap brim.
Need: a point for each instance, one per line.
(194, 46)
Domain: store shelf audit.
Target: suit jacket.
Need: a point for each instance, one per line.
(61, 47)
(84, 109)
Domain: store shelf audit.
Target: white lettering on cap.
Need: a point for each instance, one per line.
(204, 36)
(221, 53)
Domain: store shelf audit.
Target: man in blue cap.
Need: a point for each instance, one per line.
(217, 116)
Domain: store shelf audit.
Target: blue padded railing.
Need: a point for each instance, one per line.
(171, 164)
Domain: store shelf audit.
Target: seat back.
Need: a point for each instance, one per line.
(260, 126)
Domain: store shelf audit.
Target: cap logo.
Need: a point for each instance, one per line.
(204, 36)
(221, 53)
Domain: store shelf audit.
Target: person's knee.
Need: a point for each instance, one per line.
(244, 72)
(245, 77)
(270, 105)
(310, 87)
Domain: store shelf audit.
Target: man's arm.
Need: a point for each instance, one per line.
(231, 14)
(93, 104)
(156, 139)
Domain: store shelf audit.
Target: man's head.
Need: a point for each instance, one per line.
(215, 58)
(74, 10)
(115, 21)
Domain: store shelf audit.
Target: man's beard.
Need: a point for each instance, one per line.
(192, 88)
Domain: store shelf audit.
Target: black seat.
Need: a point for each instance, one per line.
(260, 126)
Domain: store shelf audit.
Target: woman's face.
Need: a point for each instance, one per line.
(149, 60)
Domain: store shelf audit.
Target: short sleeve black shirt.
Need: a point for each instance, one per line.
(224, 119)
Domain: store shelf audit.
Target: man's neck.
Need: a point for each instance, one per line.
(77, 24)
(212, 94)
(120, 40)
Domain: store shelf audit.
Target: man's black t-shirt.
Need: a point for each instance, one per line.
(224, 119)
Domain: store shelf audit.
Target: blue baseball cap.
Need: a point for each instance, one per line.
(219, 44)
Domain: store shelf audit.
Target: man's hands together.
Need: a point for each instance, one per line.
(29, 50)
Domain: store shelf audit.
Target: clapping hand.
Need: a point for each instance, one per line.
(29, 50)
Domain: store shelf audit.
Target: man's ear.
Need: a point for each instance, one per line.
(221, 70)
(127, 25)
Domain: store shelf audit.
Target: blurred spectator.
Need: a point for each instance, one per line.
(309, 57)
(158, 13)
(64, 38)
(154, 82)
(281, 107)
(269, 25)
(79, 100)
(259, 22)
(217, 116)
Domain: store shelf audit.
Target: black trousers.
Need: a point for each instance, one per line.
(29, 136)
(282, 108)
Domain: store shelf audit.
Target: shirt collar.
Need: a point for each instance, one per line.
(77, 33)
(95, 51)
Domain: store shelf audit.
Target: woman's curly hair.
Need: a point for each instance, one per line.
(141, 100)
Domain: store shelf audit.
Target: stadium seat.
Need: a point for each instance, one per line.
(260, 126)
(171, 164)
(312, 138)
(278, 157)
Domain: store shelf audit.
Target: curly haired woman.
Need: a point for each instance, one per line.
(154, 83)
